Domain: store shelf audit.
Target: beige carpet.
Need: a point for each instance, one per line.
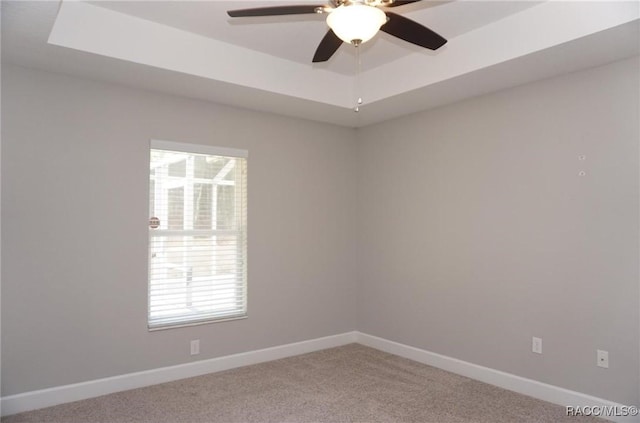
(346, 384)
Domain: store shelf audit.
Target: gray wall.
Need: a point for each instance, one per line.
(476, 232)
(75, 192)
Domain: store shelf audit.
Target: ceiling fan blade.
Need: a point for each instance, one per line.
(329, 45)
(401, 3)
(413, 32)
(274, 11)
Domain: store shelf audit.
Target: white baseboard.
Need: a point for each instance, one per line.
(78, 391)
(62, 394)
(532, 388)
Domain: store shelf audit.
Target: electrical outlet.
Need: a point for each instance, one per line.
(536, 345)
(195, 347)
(603, 358)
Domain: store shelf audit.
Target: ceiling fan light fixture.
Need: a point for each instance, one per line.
(356, 22)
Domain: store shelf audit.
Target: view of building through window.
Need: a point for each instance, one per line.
(197, 244)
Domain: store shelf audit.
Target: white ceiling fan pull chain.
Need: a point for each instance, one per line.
(357, 82)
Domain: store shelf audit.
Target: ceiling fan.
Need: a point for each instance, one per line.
(355, 22)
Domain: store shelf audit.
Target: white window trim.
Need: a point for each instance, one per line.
(198, 149)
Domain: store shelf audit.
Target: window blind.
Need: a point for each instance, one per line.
(197, 234)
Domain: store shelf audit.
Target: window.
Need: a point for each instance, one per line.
(197, 234)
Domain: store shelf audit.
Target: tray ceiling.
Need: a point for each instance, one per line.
(195, 49)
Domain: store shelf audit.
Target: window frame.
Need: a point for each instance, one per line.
(180, 147)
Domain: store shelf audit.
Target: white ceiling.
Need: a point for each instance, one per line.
(295, 37)
(194, 49)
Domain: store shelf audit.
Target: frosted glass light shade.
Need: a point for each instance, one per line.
(356, 22)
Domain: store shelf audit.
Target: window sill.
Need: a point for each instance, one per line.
(204, 322)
